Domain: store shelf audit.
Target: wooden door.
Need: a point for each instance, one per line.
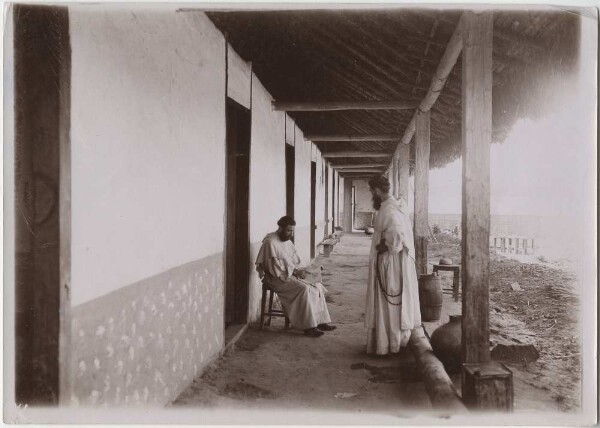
(237, 263)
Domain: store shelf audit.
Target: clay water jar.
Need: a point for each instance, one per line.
(446, 344)
(430, 297)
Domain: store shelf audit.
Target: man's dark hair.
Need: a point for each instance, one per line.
(380, 182)
(286, 221)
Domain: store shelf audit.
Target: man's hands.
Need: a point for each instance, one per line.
(299, 273)
(381, 247)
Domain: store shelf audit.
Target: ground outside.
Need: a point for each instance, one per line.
(275, 368)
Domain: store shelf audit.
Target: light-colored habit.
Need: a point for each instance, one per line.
(389, 325)
(303, 301)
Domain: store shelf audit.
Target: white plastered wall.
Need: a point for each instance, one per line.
(267, 179)
(267, 164)
(319, 194)
(302, 194)
(144, 141)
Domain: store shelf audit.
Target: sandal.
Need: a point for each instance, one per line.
(313, 332)
(326, 327)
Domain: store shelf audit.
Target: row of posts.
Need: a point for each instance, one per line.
(512, 245)
(494, 389)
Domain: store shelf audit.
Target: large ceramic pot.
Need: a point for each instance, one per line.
(430, 297)
(446, 344)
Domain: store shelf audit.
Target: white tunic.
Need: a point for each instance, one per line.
(390, 319)
(303, 301)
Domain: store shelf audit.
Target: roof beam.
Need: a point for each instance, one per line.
(352, 138)
(357, 154)
(358, 165)
(444, 69)
(500, 33)
(324, 40)
(359, 174)
(364, 171)
(342, 105)
(360, 177)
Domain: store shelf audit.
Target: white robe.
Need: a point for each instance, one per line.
(388, 325)
(303, 301)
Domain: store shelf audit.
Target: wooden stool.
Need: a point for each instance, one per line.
(456, 277)
(271, 312)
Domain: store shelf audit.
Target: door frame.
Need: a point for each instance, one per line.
(240, 302)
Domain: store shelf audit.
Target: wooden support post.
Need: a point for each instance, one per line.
(422, 135)
(403, 171)
(476, 139)
(347, 205)
(495, 382)
(395, 175)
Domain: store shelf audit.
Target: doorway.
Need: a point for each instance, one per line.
(326, 227)
(313, 189)
(353, 207)
(290, 170)
(333, 202)
(237, 262)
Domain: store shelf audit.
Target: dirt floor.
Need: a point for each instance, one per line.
(544, 313)
(276, 368)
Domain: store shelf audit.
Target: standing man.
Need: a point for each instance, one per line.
(278, 263)
(392, 291)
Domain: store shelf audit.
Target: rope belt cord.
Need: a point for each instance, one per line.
(386, 295)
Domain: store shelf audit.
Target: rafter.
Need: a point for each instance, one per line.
(362, 170)
(342, 105)
(365, 64)
(351, 138)
(358, 165)
(443, 71)
(356, 154)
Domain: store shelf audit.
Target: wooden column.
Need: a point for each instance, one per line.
(422, 135)
(476, 140)
(42, 81)
(486, 385)
(395, 175)
(403, 170)
(347, 205)
(340, 202)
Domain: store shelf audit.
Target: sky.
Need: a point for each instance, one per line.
(542, 168)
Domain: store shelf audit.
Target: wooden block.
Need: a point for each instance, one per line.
(487, 386)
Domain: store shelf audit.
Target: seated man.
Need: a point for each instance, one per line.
(279, 264)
